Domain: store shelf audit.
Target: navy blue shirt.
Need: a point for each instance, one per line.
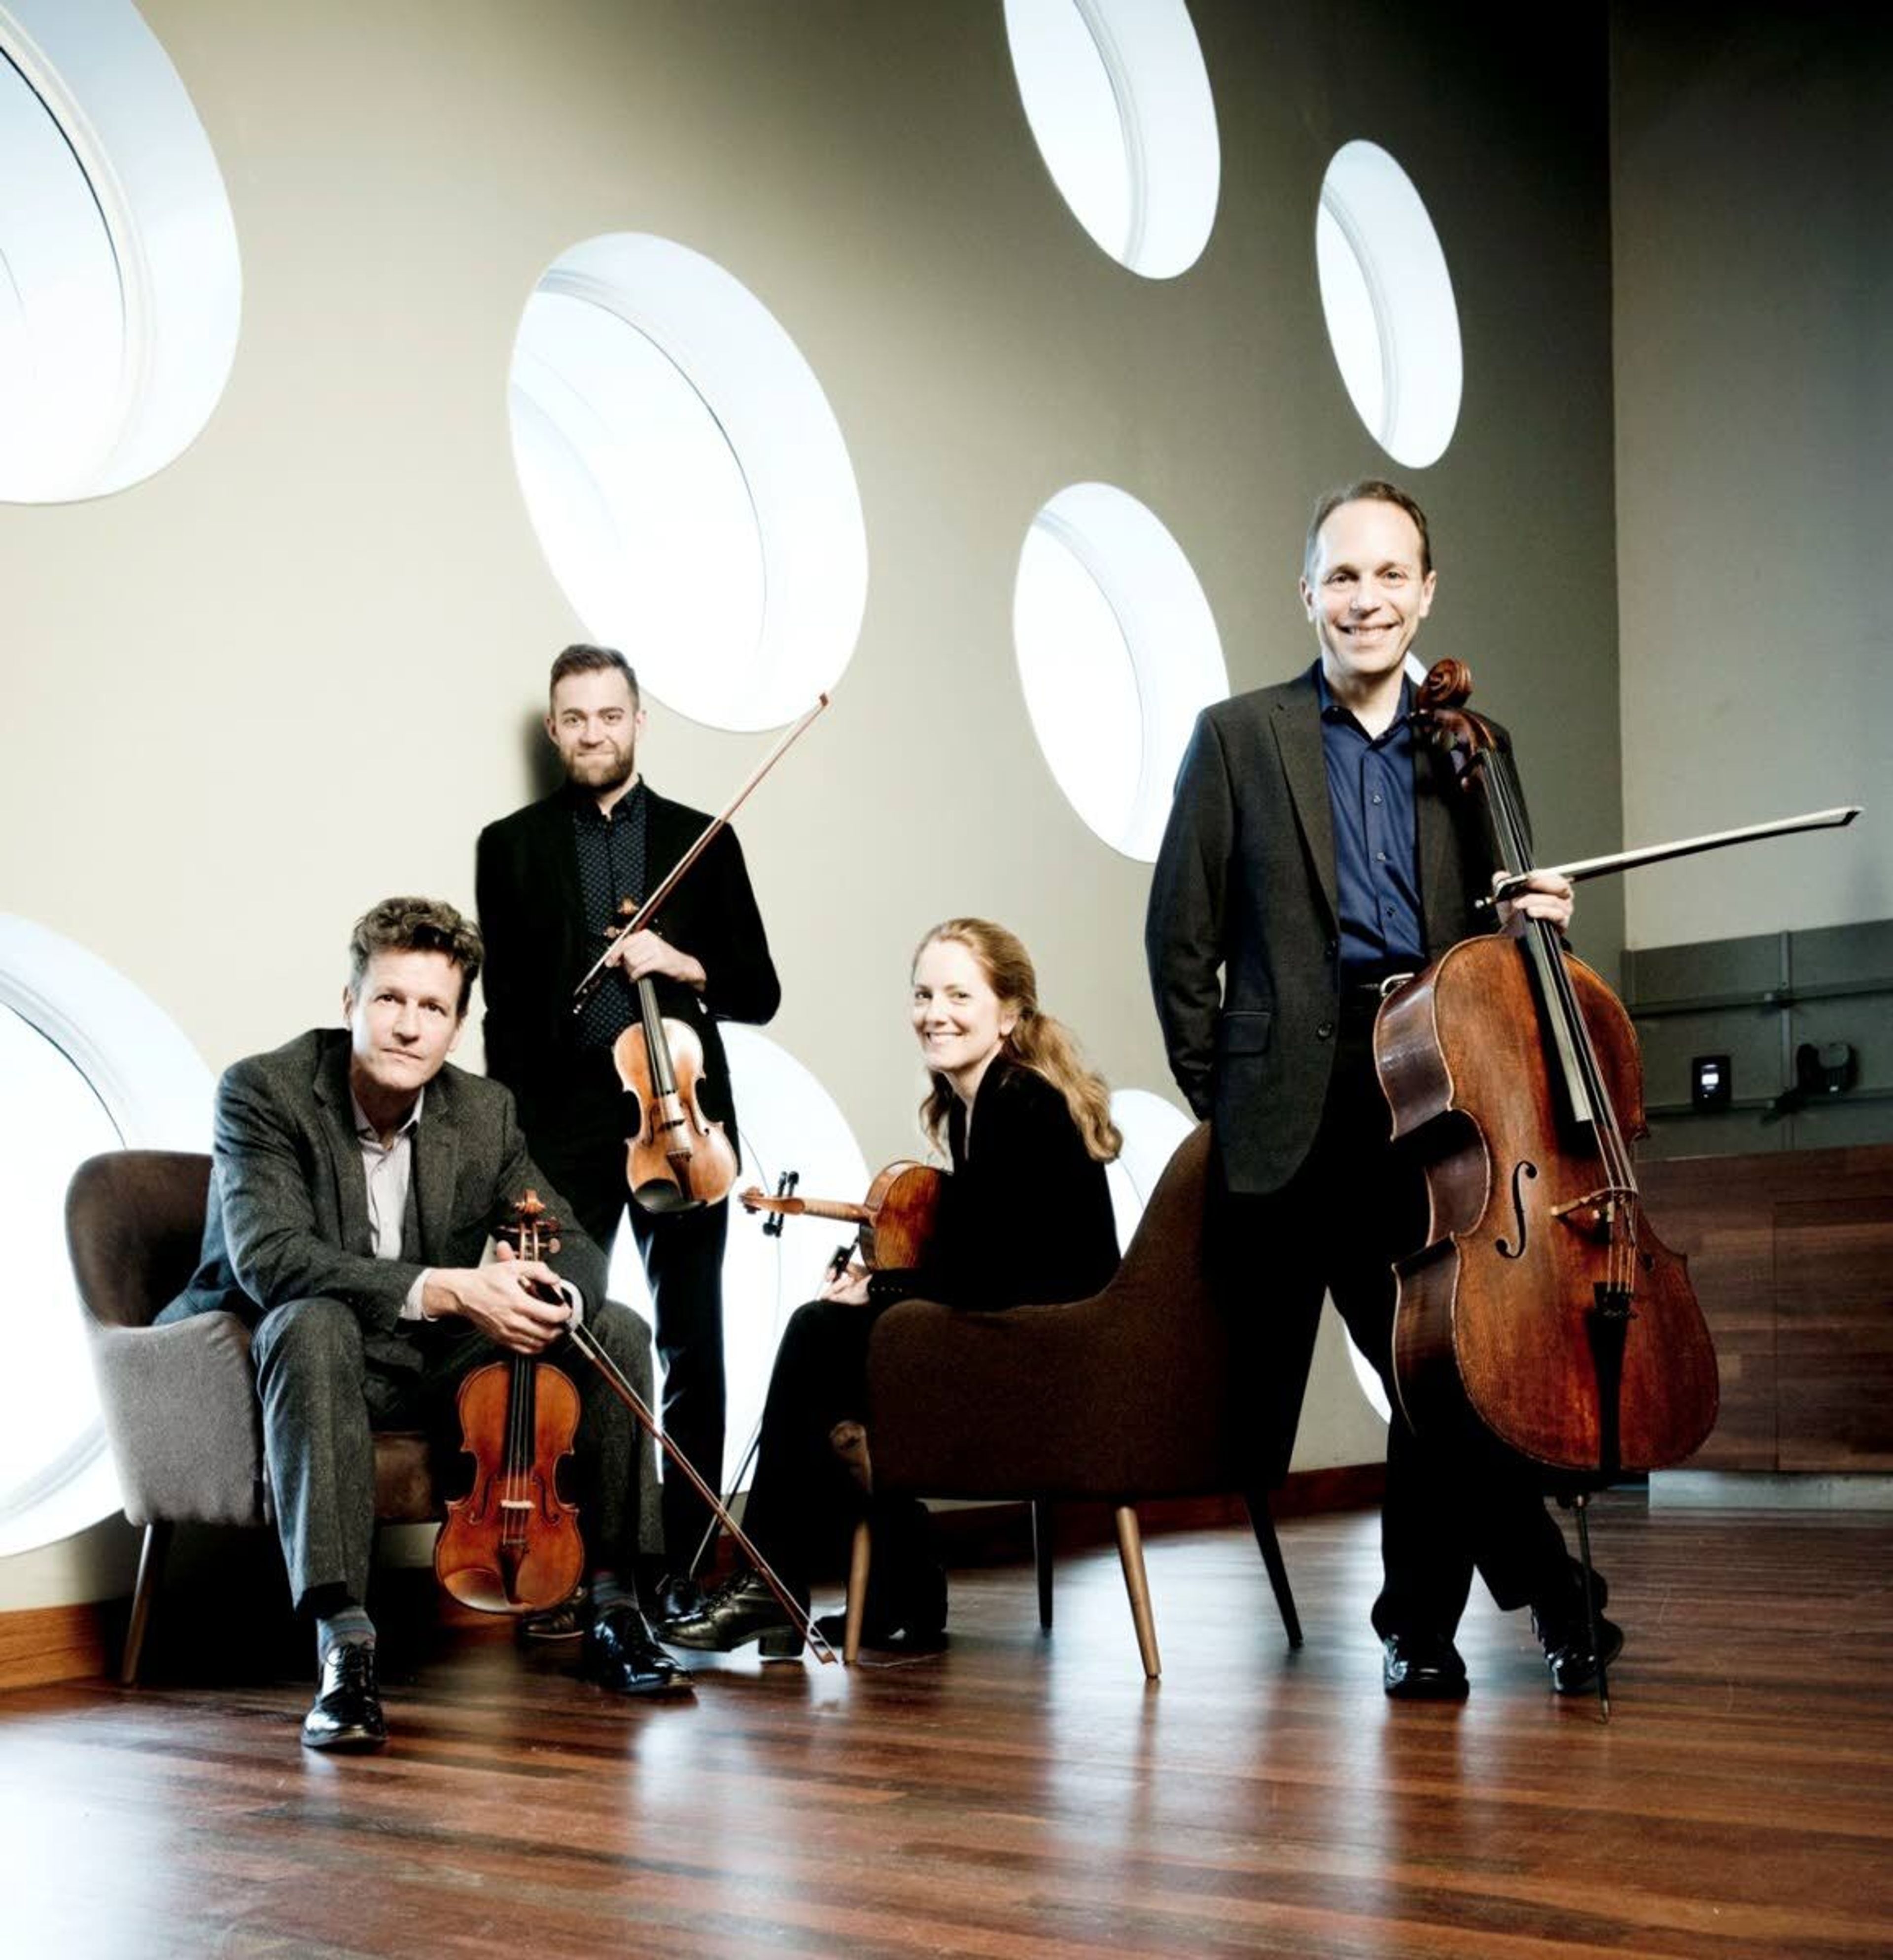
(1376, 854)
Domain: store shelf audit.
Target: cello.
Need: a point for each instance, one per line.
(1544, 1310)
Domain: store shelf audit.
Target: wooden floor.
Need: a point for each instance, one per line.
(1018, 1795)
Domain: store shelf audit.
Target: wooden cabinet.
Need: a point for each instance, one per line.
(1791, 1255)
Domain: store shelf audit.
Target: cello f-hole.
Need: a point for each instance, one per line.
(1524, 1168)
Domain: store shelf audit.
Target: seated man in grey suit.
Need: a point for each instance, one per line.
(357, 1179)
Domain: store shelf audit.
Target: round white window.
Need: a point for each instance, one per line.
(89, 1064)
(1118, 653)
(1387, 299)
(790, 1123)
(1119, 104)
(688, 481)
(120, 287)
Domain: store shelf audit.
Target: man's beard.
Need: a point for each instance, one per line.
(608, 769)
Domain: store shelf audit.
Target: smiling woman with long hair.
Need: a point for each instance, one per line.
(1025, 1215)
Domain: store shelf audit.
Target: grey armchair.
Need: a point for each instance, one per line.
(180, 1401)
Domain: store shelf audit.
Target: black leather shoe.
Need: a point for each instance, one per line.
(742, 1611)
(909, 1616)
(347, 1711)
(566, 1622)
(621, 1654)
(1569, 1655)
(1422, 1667)
(675, 1598)
(1563, 1629)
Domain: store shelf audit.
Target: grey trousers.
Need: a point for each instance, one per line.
(326, 1387)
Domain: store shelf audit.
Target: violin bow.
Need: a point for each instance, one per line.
(645, 912)
(1582, 868)
(585, 1342)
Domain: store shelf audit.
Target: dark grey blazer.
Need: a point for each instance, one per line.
(1241, 935)
(288, 1212)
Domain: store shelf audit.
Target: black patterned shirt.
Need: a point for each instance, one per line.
(611, 868)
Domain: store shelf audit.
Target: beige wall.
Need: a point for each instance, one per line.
(297, 669)
(1753, 270)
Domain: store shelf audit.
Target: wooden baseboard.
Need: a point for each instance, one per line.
(47, 1643)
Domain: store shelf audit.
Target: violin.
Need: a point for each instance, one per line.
(1545, 1311)
(497, 1551)
(679, 1158)
(897, 1218)
(512, 1544)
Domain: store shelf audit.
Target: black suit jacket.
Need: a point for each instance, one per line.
(288, 1213)
(1242, 933)
(532, 918)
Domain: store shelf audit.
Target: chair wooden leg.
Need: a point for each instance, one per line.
(1131, 1555)
(151, 1566)
(860, 1554)
(1041, 1558)
(1262, 1522)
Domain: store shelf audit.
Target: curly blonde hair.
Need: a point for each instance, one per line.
(1037, 1041)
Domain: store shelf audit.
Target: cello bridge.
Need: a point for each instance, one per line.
(1597, 1214)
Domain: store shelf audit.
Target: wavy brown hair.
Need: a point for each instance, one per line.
(1037, 1041)
(415, 925)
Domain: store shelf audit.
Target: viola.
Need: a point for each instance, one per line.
(897, 1218)
(512, 1544)
(678, 1158)
(1545, 1311)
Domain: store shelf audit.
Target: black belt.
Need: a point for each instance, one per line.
(1361, 994)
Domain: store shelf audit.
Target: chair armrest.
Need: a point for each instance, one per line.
(181, 1415)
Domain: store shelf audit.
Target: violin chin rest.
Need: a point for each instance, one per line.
(657, 1196)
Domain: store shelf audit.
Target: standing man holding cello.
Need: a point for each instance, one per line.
(1314, 852)
(551, 880)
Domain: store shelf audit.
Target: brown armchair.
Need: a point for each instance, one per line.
(179, 1401)
(1126, 1395)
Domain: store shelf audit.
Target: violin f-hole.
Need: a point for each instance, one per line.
(1523, 1169)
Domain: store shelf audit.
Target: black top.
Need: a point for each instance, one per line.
(531, 910)
(1026, 1216)
(612, 848)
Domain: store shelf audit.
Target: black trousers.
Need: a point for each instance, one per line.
(1357, 1203)
(803, 1504)
(581, 1149)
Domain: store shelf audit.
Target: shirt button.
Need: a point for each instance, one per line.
(1376, 796)
(1380, 857)
(1322, 1032)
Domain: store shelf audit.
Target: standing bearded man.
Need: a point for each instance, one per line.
(550, 879)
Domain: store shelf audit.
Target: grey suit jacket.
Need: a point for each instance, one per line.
(288, 1212)
(1242, 933)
